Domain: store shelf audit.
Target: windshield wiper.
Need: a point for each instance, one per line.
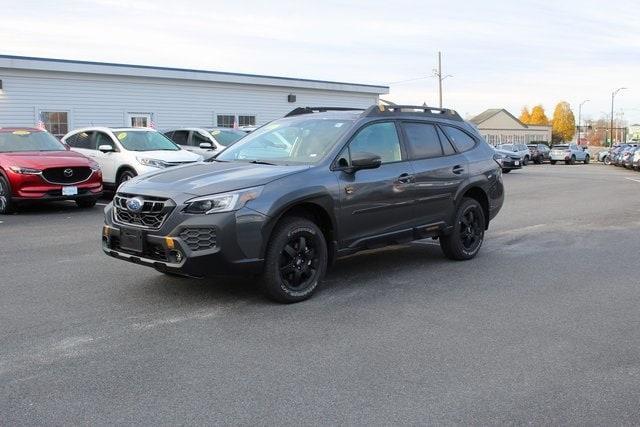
(260, 162)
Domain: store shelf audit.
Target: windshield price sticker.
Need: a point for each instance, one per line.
(21, 132)
(122, 135)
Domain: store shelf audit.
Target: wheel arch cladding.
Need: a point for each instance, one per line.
(478, 194)
(315, 211)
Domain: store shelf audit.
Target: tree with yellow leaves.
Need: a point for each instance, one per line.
(525, 115)
(538, 117)
(564, 122)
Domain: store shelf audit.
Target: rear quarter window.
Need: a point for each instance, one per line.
(460, 139)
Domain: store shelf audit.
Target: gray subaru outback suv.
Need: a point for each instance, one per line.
(288, 199)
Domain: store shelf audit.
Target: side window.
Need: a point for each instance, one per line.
(197, 139)
(447, 148)
(422, 139)
(378, 138)
(103, 139)
(81, 140)
(461, 140)
(180, 137)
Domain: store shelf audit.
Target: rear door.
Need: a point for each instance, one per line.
(438, 168)
(376, 205)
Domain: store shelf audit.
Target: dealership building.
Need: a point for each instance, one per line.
(498, 126)
(66, 94)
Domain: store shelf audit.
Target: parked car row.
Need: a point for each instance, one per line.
(627, 155)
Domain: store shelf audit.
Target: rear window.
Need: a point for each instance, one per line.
(460, 139)
(423, 140)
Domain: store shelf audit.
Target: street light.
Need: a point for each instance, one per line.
(613, 96)
(580, 116)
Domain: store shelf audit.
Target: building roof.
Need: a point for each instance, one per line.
(487, 114)
(107, 68)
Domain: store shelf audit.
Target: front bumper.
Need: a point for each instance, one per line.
(511, 164)
(237, 248)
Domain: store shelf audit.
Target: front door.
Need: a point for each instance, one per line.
(376, 205)
(108, 161)
(139, 120)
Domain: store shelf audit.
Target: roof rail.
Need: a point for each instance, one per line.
(377, 110)
(308, 110)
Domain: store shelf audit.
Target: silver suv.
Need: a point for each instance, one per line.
(569, 153)
(520, 150)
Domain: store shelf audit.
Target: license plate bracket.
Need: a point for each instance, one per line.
(131, 240)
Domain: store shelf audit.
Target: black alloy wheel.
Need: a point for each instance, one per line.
(295, 261)
(465, 240)
(126, 175)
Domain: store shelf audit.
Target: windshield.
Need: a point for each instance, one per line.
(227, 137)
(289, 141)
(560, 146)
(24, 140)
(145, 141)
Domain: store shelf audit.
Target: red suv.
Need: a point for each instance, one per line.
(34, 165)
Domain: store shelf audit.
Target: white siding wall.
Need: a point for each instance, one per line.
(105, 100)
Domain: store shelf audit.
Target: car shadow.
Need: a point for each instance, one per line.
(362, 270)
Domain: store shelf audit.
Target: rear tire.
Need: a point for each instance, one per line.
(295, 261)
(6, 205)
(572, 161)
(468, 232)
(86, 203)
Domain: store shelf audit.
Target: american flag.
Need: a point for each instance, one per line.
(40, 124)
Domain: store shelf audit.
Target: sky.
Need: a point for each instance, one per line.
(500, 54)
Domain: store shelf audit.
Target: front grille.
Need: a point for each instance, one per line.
(199, 238)
(178, 163)
(152, 215)
(73, 175)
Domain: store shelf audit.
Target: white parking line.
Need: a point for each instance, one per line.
(632, 179)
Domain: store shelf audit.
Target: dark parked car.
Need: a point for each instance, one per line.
(344, 181)
(539, 153)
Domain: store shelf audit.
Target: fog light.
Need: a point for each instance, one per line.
(169, 242)
(176, 255)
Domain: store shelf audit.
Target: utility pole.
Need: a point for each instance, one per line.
(580, 117)
(437, 72)
(613, 96)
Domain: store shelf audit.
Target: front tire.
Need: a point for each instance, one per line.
(6, 205)
(553, 162)
(125, 175)
(468, 232)
(572, 161)
(506, 170)
(606, 160)
(525, 161)
(295, 261)
(586, 160)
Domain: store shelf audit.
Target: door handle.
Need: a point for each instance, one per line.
(458, 169)
(405, 178)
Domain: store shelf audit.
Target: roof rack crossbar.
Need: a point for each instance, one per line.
(308, 110)
(412, 109)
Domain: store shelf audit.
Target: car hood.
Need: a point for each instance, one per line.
(506, 153)
(169, 156)
(203, 178)
(44, 159)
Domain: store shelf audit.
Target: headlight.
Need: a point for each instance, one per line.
(224, 202)
(94, 167)
(25, 171)
(154, 163)
(499, 158)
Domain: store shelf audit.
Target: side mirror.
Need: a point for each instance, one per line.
(206, 146)
(363, 160)
(106, 148)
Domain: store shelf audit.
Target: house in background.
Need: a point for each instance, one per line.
(498, 126)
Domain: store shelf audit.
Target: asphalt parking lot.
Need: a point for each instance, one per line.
(542, 327)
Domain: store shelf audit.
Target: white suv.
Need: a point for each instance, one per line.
(123, 153)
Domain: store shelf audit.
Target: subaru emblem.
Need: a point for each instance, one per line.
(68, 173)
(135, 204)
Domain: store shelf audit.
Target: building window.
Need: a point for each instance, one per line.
(226, 120)
(246, 120)
(56, 122)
